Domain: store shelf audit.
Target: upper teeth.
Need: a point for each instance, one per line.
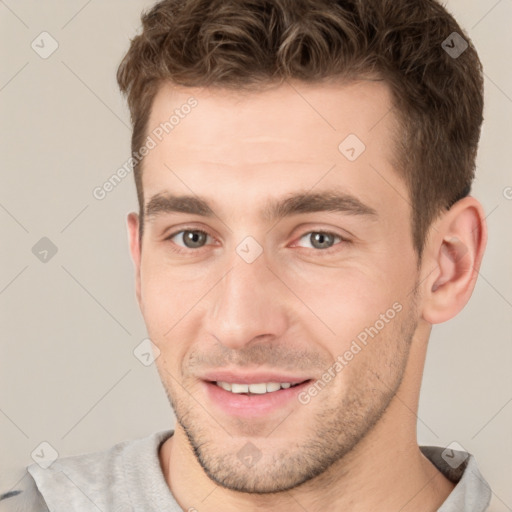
(260, 388)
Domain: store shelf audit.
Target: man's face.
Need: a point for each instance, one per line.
(264, 296)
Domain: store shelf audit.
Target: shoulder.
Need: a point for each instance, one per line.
(24, 497)
(104, 480)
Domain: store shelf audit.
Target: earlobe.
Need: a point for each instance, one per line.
(135, 250)
(456, 250)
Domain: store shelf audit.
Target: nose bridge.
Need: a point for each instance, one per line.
(246, 304)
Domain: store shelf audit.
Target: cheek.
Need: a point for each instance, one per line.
(165, 301)
(370, 358)
(172, 306)
(343, 303)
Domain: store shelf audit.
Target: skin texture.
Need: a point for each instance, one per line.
(296, 308)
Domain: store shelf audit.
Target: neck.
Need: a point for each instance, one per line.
(396, 476)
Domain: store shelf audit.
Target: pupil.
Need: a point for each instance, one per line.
(194, 239)
(319, 239)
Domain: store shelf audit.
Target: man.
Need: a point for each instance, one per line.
(303, 171)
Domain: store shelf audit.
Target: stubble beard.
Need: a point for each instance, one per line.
(337, 428)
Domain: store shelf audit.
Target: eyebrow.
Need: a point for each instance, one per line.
(275, 209)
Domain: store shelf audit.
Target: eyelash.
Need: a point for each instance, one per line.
(180, 250)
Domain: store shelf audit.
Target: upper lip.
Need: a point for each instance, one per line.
(251, 378)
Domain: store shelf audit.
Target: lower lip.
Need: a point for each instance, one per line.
(236, 404)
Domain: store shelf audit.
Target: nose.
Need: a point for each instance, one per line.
(247, 304)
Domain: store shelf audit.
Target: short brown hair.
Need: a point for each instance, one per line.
(250, 44)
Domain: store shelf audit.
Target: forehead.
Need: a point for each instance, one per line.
(273, 141)
(308, 120)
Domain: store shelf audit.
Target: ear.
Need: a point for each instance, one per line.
(135, 250)
(454, 250)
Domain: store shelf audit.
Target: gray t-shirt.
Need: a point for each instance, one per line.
(128, 478)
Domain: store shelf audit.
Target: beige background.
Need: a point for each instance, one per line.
(68, 375)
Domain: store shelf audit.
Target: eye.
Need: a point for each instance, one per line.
(190, 238)
(321, 240)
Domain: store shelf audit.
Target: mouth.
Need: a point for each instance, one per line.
(258, 388)
(254, 399)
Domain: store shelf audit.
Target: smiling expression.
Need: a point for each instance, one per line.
(267, 249)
